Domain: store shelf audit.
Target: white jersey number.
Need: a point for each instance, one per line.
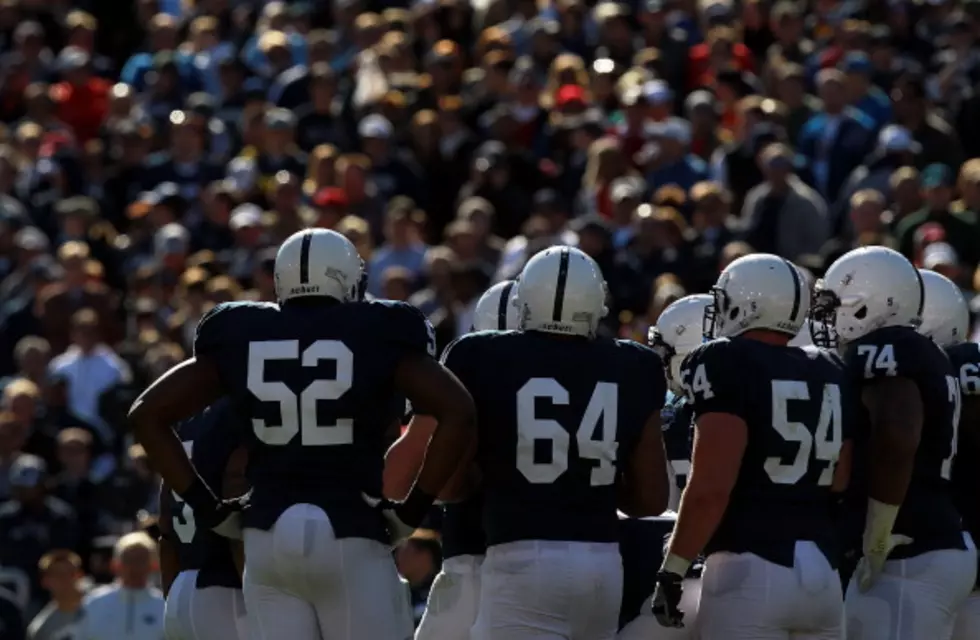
(183, 520)
(596, 435)
(298, 415)
(822, 444)
(957, 399)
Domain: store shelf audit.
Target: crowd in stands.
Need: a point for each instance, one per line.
(153, 155)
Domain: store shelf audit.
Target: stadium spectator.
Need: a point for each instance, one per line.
(62, 577)
(130, 607)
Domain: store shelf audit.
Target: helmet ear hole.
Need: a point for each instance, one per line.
(733, 313)
(861, 313)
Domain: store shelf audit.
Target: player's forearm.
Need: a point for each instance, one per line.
(406, 456)
(698, 519)
(164, 451)
(895, 408)
(451, 446)
(892, 462)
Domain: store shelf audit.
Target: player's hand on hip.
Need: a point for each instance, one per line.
(398, 529)
(871, 565)
(225, 518)
(667, 598)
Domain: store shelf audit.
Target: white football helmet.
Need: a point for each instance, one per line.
(758, 291)
(561, 290)
(678, 333)
(945, 315)
(496, 310)
(318, 262)
(864, 290)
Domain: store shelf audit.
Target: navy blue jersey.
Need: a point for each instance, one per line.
(462, 528)
(676, 419)
(794, 403)
(642, 542)
(316, 381)
(928, 514)
(965, 358)
(209, 439)
(558, 419)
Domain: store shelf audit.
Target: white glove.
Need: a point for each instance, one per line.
(879, 542)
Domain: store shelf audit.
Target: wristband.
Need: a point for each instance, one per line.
(878, 526)
(415, 507)
(676, 565)
(199, 496)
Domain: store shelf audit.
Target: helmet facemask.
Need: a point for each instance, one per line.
(823, 317)
(716, 313)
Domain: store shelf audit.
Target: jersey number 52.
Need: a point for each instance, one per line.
(298, 415)
(595, 441)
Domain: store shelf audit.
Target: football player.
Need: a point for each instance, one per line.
(770, 446)
(642, 540)
(917, 566)
(676, 334)
(321, 379)
(946, 319)
(201, 576)
(455, 594)
(569, 425)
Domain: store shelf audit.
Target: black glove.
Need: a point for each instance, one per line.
(402, 518)
(667, 599)
(224, 517)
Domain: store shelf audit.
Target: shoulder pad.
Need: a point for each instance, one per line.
(886, 353)
(414, 329)
(214, 329)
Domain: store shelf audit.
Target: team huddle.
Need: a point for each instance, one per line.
(782, 461)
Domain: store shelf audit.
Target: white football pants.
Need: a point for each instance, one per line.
(744, 597)
(203, 614)
(302, 583)
(454, 600)
(548, 590)
(968, 619)
(916, 598)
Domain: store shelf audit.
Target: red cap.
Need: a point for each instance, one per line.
(330, 197)
(569, 93)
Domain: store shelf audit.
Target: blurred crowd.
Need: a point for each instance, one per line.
(154, 153)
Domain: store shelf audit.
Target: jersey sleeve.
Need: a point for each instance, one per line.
(712, 382)
(650, 372)
(408, 327)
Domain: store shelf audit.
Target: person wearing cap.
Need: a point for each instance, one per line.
(626, 194)
(783, 215)
(962, 227)
(942, 258)
(278, 150)
(33, 522)
(672, 162)
(895, 149)
(390, 175)
(836, 139)
(862, 94)
(171, 246)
